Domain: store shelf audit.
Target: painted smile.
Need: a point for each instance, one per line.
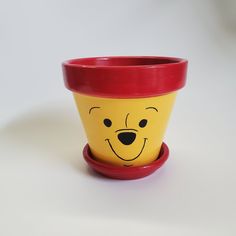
(144, 143)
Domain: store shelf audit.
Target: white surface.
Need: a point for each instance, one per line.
(46, 187)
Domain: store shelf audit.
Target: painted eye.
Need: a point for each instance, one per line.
(107, 122)
(143, 123)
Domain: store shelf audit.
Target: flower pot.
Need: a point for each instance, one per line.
(125, 104)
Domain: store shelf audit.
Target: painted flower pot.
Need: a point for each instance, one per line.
(125, 104)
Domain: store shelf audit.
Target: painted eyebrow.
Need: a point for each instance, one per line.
(90, 110)
(154, 108)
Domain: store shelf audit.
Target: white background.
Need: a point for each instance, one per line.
(45, 186)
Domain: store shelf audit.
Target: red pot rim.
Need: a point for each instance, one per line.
(125, 76)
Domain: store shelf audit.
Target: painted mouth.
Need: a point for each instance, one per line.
(129, 165)
(144, 143)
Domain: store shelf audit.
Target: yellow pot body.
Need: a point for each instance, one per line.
(125, 132)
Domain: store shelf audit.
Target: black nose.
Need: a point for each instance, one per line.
(127, 137)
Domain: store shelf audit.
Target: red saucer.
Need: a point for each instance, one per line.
(135, 172)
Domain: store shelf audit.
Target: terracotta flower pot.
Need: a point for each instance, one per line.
(125, 104)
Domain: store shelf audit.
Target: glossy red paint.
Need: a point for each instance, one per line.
(126, 173)
(125, 77)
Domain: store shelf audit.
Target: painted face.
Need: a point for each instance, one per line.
(125, 132)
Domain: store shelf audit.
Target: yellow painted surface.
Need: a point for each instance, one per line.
(123, 142)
